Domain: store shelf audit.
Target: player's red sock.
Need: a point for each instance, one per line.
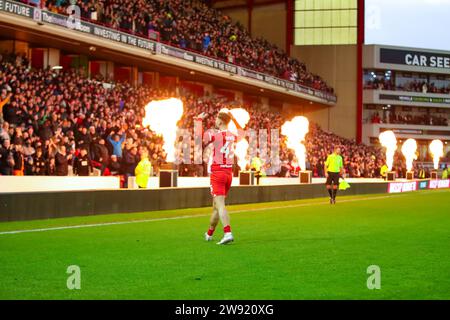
(210, 232)
(227, 229)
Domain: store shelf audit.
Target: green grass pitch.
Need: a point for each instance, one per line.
(285, 250)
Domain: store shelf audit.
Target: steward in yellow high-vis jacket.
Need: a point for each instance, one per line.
(445, 172)
(256, 165)
(383, 171)
(143, 170)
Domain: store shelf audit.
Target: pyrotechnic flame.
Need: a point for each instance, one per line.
(162, 117)
(241, 153)
(388, 140)
(242, 117)
(295, 131)
(409, 149)
(437, 151)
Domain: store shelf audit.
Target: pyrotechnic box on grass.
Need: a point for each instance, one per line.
(390, 176)
(168, 176)
(410, 175)
(305, 177)
(434, 175)
(247, 178)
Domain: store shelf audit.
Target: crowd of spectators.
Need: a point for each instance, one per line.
(426, 119)
(379, 84)
(410, 86)
(423, 86)
(53, 121)
(194, 25)
(62, 123)
(432, 88)
(359, 160)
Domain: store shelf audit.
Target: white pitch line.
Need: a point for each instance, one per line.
(185, 217)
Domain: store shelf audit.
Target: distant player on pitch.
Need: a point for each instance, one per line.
(221, 172)
(334, 167)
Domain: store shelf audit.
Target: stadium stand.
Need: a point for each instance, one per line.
(50, 116)
(193, 25)
(411, 82)
(407, 118)
(411, 86)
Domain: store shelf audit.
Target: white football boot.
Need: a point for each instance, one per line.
(208, 237)
(227, 238)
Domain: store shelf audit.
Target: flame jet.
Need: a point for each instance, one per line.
(162, 117)
(241, 149)
(388, 140)
(409, 149)
(295, 131)
(437, 151)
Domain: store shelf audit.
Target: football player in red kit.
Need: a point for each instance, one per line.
(221, 173)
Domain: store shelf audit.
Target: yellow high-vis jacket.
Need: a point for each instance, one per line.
(256, 164)
(383, 171)
(142, 172)
(445, 174)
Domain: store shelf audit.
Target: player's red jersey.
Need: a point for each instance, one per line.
(222, 161)
(223, 151)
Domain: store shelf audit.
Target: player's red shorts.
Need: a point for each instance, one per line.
(221, 182)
